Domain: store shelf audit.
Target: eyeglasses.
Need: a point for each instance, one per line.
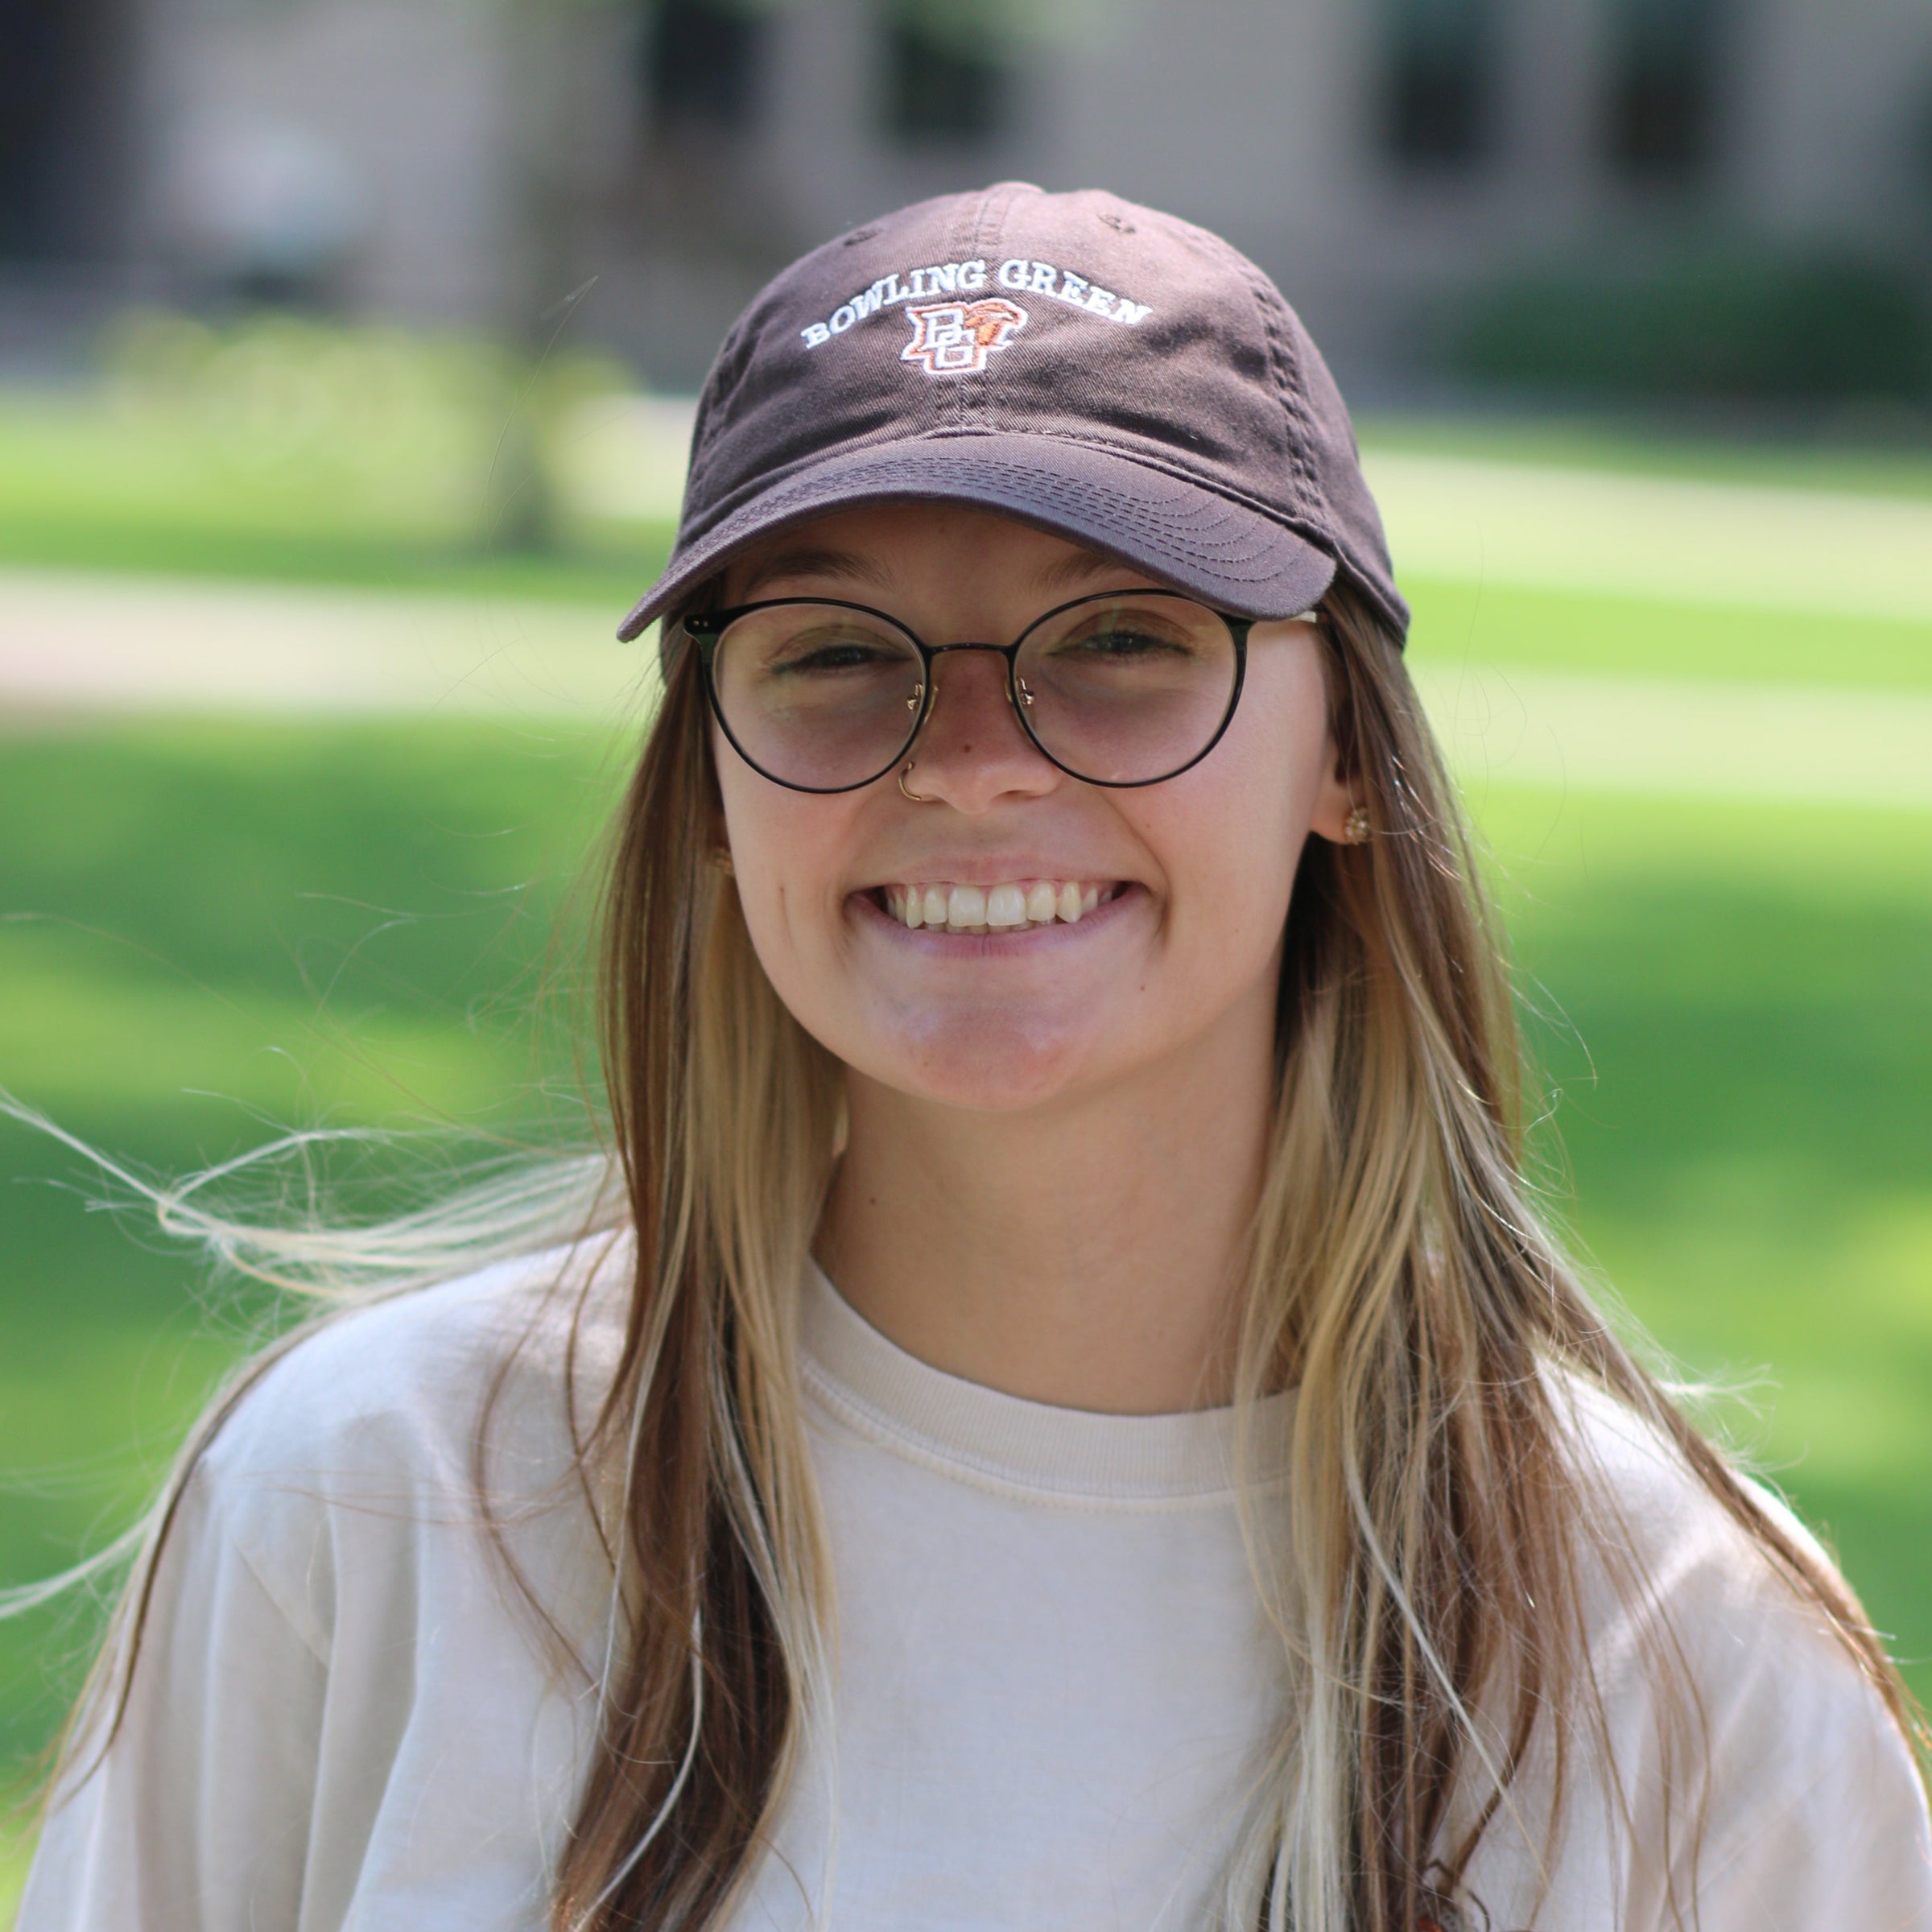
(1122, 688)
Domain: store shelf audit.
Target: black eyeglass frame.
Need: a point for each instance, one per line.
(706, 629)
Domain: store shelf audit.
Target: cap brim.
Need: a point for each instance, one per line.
(1233, 557)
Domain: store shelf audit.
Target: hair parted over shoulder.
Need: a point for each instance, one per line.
(1422, 1570)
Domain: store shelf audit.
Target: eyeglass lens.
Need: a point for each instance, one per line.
(1120, 690)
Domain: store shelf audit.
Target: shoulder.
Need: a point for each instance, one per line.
(365, 1448)
(1724, 1683)
(401, 1383)
(1659, 1543)
(1667, 1561)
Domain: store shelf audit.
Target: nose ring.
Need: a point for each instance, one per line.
(917, 797)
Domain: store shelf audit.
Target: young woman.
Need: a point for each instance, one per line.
(1060, 1409)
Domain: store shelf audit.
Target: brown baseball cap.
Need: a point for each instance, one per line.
(1100, 370)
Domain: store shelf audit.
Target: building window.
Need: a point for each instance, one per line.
(1661, 114)
(1440, 81)
(943, 79)
(705, 61)
(58, 65)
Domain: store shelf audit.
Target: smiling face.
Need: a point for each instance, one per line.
(1067, 935)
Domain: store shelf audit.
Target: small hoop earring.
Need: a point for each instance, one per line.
(917, 797)
(1355, 828)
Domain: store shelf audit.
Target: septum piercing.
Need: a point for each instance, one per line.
(917, 797)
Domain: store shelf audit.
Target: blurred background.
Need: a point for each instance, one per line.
(346, 349)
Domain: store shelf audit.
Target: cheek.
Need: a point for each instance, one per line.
(1231, 831)
(789, 853)
(1228, 885)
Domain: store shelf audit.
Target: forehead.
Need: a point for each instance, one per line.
(888, 546)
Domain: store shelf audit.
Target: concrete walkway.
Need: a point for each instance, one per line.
(75, 643)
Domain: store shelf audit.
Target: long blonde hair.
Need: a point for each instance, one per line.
(1421, 1569)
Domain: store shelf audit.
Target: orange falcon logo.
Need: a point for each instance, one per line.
(955, 338)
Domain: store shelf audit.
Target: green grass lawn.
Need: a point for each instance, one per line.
(214, 930)
(1732, 1008)
(98, 481)
(1648, 638)
(1885, 454)
(12, 1873)
(208, 931)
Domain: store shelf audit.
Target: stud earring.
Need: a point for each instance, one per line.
(1355, 827)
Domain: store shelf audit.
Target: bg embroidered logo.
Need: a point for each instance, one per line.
(954, 338)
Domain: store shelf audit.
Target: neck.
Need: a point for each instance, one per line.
(1086, 1254)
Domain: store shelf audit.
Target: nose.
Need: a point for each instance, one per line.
(972, 751)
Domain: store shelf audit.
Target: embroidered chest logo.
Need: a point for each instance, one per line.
(954, 338)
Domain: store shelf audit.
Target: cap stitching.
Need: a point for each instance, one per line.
(1229, 559)
(1295, 401)
(1291, 519)
(1288, 387)
(1189, 544)
(1282, 363)
(1292, 394)
(708, 551)
(959, 239)
(1190, 533)
(975, 393)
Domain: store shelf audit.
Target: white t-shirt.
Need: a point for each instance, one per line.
(1052, 1688)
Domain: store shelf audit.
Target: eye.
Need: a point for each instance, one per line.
(1121, 641)
(828, 653)
(846, 656)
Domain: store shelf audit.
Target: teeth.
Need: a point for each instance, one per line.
(1007, 907)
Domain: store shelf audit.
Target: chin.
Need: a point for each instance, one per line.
(990, 1062)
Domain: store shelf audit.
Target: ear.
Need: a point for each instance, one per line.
(1334, 801)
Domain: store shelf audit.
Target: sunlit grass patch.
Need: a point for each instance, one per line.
(1732, 1007)
(1638, 637)
(16, 1849)
(1881, 454)
(285, 447)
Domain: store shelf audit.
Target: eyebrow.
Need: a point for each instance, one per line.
(1081, 566)
(811, 560)
(1078, 567)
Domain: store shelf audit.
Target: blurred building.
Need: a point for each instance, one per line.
(480, 160)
